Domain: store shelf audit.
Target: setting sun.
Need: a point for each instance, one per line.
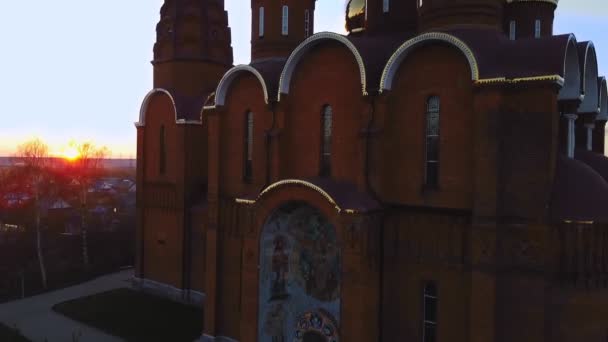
(70, 153)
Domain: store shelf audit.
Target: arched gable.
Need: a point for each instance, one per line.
(144, 106)
(391, 68)
(226, 81)
(589, 71)
(300, 51)
(603, 98)
(572, 72)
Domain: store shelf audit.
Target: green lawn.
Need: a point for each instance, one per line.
(8, 334)
(135, 316)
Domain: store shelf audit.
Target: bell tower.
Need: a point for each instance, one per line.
(530, 18)
(192, 49)
(278, 26)
(391, 16)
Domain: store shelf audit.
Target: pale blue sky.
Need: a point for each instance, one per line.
(73, 69)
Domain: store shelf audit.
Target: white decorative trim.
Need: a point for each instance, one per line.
(571, 134)
(226, 82)
(188, 122)
(393, 64)
(603, 99)
(187, 296)
(144, 106)
(312, 41)
(572, 72)
(589, 82)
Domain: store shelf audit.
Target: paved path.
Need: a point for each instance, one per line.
(36, 320)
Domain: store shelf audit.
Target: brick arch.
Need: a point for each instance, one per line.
(271, 199)
(146, 103)
(224, 86)
(394, 63)
(603, 98)
(589, 76)
(307, 45)
(283, 192)
(572, 88)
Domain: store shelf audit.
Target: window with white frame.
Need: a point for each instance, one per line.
(326, 137)
(537, 28)
(306, 23)
(248, 167)
(385, 5)
(429, 327)
(285, 25)
(512, 29)
(261, 22)
(432, 141)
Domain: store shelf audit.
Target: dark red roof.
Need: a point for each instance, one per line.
(498, 56)
(271, 70)
(579, 192)
(596, 161)
(376, 50)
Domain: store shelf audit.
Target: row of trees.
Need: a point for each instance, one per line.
(34, 169)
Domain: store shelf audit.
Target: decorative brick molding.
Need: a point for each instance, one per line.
(186, 296)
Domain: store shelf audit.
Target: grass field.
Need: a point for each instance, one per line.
(135, 316)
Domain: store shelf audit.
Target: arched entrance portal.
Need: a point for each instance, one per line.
(299, 292)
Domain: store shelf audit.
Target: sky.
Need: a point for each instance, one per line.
(79, 70)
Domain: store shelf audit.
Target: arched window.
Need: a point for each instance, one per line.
(306, 23)
(429, 300)
(385, 6)
(512, 30)
(432, 141)
(261, 22)
(285, 26)
(326, 126)
(162, 160)
(537, 28)
(248, 155)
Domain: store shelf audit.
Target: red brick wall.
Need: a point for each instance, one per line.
(246, 94)
(162, 219)
(399, 152)
(330, 69)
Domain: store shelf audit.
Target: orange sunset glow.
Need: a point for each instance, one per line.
(70, 153)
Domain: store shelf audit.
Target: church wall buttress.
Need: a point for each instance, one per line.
(429, 71)
(334, 74)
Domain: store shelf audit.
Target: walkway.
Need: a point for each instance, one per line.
(36, 320)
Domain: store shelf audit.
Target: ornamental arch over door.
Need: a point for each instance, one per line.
(299, 276)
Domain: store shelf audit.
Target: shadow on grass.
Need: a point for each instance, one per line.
(135, 316)
(8, 334)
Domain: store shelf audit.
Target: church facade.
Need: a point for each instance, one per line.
(437, 174)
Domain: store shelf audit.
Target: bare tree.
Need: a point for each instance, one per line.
(33, 155)
(87, 167)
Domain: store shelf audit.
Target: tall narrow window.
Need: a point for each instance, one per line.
(512, 29)
(162, 160)
(432, 141)
(429, 328)
(385, 6)
(285, 26)
(248, 169)
(419, 3)
(306, 23)
(326, 126)
(261, 22)
(537, 28)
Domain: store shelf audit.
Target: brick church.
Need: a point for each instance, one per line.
(436, 174)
